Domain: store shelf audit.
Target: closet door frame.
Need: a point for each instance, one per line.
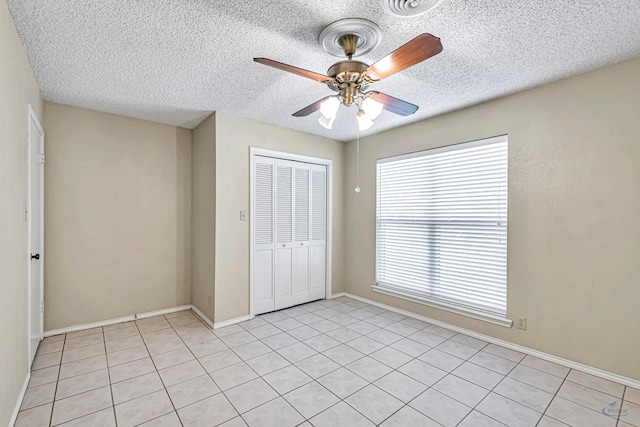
(253, 152)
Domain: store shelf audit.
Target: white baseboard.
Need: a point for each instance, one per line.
(14, 416)
(522, 349)
(114, 321)
(202, 316)
(149, 314)
(230, 322)
(218, 325)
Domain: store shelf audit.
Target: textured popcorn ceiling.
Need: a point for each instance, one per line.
(175, 61)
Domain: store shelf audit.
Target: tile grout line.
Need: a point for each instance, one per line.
(261, 377)
(492, 391)
(64, 343)
(113, 402)
(622, 402)
(157, 373)
(396, 319)
(504, 375)
(199, 363)
(243, 361)
(450, 338)
(554, 397)
(520, 362)
(315, 380)
(58, 381)
(109, 373)
(372, 383)
(448, 373)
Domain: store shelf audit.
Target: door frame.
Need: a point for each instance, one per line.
(32, 117)
(253, 152)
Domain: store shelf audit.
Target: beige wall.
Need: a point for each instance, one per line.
(18, 89)
(234, 136)
(574, 213)
(117, 216)
(203, 216)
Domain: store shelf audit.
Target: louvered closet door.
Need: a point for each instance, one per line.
(301, 233)
(283, 285)
(290, 202)
(318, 248)
(263, 220)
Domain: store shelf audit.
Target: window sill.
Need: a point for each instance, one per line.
(501, 321)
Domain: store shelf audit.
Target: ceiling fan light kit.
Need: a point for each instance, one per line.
(350, 78)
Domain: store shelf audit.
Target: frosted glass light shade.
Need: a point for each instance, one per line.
(326, 122)
(364, 122)
(371, 108)
(329, 107)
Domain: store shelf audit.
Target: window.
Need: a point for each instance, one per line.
(441, 221)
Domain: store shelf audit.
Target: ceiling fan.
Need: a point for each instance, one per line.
(350, 78)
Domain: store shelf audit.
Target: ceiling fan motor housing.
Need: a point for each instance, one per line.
(347, 71)
(346, 78)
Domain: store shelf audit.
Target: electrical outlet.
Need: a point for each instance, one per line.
(243, 215)
(521, 323)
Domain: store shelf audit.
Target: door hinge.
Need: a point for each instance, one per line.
(42, 159)
(41, 306)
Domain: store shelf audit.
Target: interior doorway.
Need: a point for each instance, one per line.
(290, 230)
(35, 215)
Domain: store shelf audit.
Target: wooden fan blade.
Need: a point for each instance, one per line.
(311, 108)
(417, 50)
(290, 68)
(395, 105)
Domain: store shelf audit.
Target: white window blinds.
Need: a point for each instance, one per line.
(442, 225)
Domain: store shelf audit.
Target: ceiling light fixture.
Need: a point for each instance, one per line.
(351, 78)
(326, 122)
(329, 107)
(368, 110)
(364, 123)
(371, 108)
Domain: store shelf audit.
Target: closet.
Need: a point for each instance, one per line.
(289, 221)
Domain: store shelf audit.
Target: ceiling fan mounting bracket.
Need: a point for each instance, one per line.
(355, 35)
(349, 43)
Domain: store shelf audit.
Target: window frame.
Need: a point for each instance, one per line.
(424, 298)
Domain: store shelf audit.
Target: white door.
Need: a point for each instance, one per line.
(289, 227)
(36, 233)
(301, 242)
(263, 223)
(283, 279)
(318, 243)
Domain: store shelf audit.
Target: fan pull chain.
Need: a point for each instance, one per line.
(357, 189)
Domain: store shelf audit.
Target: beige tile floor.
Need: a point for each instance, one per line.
(327, 363)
